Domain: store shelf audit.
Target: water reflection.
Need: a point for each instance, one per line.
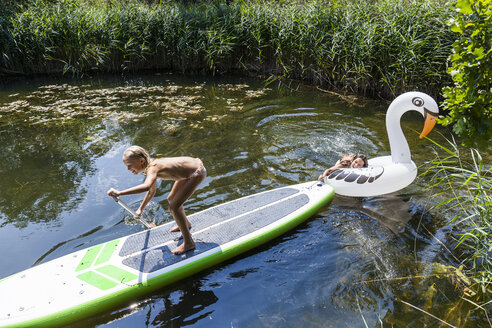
(41, 172)
(183, 308)
(63, 243)
(174, 307)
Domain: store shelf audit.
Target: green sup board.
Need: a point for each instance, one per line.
(115, 273)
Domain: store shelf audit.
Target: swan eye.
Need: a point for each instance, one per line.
(417, 101)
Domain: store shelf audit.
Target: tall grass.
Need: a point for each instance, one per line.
(464, 181)
(380, 47)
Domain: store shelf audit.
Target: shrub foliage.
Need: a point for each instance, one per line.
(469, 100)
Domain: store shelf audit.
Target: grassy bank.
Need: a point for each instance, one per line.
(380, 47)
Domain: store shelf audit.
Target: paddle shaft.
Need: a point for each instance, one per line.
(132, 212)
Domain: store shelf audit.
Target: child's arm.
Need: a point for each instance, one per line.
(338, 166)
(148, 196)
(146, 186)
(327, 171)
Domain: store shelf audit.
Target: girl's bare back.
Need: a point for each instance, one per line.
(175, 168)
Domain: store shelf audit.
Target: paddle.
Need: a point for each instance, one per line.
(132, 212)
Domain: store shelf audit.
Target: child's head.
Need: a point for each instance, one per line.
(359, 161)
(136, 159)
(346, 160)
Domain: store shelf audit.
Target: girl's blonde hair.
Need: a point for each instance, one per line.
(136, 152)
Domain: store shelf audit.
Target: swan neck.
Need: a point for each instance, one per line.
(400, 151)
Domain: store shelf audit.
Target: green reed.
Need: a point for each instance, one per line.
(464, 181)
(379, 47)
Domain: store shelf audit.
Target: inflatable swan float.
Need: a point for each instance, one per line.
(387, 174)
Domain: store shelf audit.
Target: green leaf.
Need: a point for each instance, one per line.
(456, 28)
(464, 7)
(479, 52)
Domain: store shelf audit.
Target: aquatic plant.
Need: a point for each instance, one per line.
(65, 104)
(461, 184)
(376, 48)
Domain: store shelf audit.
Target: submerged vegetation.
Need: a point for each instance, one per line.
(379, 48)
(461, 182)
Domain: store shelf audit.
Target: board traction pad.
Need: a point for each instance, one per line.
(160, 257)
(201, 220)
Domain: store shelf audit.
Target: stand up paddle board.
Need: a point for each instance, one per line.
(101, 277)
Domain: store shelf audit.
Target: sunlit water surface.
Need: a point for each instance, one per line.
(358, 262)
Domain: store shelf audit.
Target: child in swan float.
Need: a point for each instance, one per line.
(359, 161)
(347, 161)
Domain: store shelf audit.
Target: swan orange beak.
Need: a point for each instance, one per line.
(430, 121)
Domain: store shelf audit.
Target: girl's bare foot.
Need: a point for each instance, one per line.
(183, 248)
(176, 228)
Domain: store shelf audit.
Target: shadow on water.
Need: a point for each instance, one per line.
(390, 210)
(354, 263)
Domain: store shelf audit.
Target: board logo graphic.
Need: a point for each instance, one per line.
(95, 272)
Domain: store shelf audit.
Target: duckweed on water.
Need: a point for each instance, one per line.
(61, 104)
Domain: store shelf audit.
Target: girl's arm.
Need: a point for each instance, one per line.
(338, 166)
(148, 196)
(146, 186)
(327, 171)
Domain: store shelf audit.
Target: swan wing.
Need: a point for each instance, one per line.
(360, 175)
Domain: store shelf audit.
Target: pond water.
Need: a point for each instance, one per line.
(359, 262)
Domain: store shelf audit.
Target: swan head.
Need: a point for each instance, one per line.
(408, 101)
(422, 103)
(425, 105)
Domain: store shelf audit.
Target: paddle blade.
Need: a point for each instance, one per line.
(132, 212)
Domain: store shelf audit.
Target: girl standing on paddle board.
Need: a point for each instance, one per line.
(187, 172)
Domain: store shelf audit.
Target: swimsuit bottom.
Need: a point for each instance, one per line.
(200, 171)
